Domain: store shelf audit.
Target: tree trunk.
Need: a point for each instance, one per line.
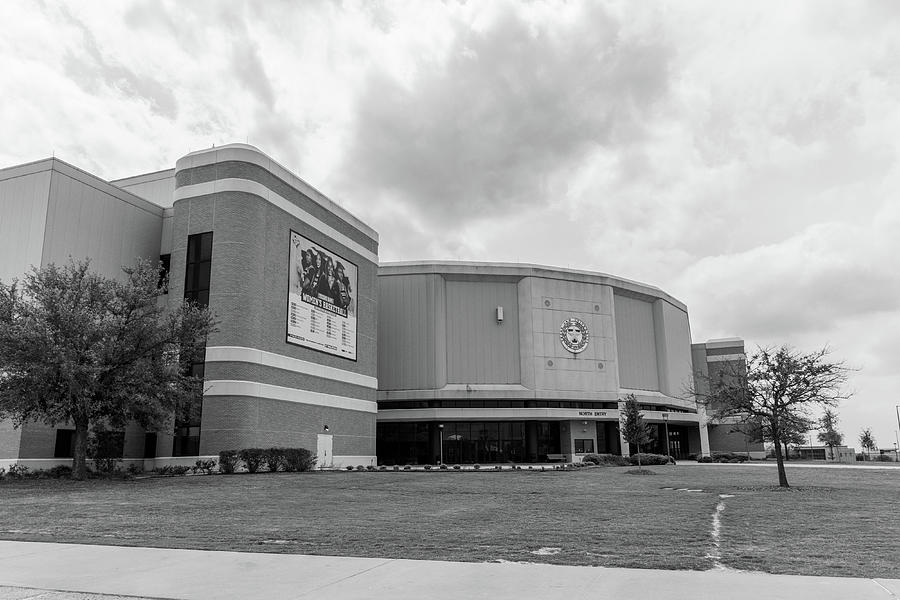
(640, 469)
(79, 465)
(782, 475)
(787, 455)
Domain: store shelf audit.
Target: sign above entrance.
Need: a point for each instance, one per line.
(573, 334)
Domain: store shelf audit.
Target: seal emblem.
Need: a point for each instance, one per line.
(573, 334)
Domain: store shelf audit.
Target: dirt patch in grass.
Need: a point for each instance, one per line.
(593, 516)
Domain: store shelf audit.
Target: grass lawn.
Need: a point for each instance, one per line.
(840, 522)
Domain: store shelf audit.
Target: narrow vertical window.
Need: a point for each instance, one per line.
(196, 288)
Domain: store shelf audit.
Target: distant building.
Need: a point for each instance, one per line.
(725, 434)
(321, 347)
(841, 454)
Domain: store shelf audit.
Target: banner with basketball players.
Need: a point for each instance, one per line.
(321, 299)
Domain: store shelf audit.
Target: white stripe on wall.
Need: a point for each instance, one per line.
(725, 357)
(253, 389)
(287, 363)
(252, 187)
(253, 155)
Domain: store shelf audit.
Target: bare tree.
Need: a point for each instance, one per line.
(775, 387)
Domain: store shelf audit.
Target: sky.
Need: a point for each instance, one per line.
(743, 157)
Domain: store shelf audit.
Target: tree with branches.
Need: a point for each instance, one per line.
(774, 387)
(828, 433)
(95, 352)
(634, 430)
(867, 441)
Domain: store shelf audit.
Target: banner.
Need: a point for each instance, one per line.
(321, 299)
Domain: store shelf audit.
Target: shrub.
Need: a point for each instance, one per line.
(17, 471)
(456, 467)
(407, 468)
(2, 472)
(349, 467)
(134, 469)
(228, 461)
(371, 468)
(172, 469)
(253, 458)
(884, 458)
(476, 466)
(650, 459)
(204, 466)
(729, 457)
(60, 472)
(360, 468)
(428, 467)
(298, 459)
(705, 459)
(396, 467)
(382, 468)
(444, 467)
(273, 458)
(607, 460)
(639, 472)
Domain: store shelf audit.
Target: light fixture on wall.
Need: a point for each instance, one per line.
(499, 314)
(326, 428)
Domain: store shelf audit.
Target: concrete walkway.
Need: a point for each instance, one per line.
(31, 570)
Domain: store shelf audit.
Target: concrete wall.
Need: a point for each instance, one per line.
(263, 390)
(546, 364)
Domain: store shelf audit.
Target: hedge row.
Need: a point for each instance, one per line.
(612, 460)
(273, 459)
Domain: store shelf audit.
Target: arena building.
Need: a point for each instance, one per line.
(320, 347)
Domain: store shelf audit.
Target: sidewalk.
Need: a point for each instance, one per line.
(28, 569)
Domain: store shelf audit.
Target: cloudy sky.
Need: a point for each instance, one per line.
(741, 156)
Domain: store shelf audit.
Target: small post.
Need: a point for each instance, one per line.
(441, 430)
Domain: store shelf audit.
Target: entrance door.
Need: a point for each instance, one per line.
(325, 459)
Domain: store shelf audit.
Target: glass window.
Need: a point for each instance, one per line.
(65, 443)
(584, 446)
(198, 268)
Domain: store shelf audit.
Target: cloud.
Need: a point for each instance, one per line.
(489, 126)
(91, 69)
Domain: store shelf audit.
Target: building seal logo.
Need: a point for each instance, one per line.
(573, 334)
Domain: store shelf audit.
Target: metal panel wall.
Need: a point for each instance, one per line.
(85, 221)
(673, 339)
(159, 190)
(636, 343)
(23, 214)
(409, 308)
(479, 349)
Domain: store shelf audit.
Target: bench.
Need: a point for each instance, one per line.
(557, 457)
